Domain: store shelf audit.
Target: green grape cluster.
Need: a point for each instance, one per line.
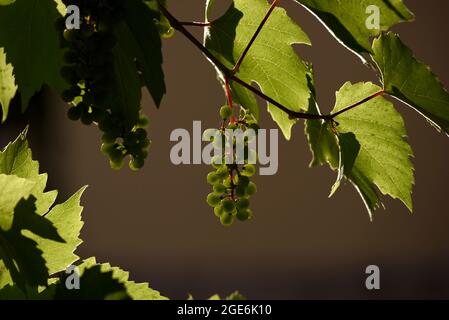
(231, 183)
(90, 71)
(161, 22)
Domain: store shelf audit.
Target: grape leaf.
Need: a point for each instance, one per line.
(382, 156)
(411, 81)
(16, 159)
(12, 189)
(31, 43)
(60, 6)
(8, 87)
(19, 253)
(6, 2)
(13, 292)
(346, 19)
(95, 284)
(144, 43)
(271, 62)
(136, 291)
(66, 218)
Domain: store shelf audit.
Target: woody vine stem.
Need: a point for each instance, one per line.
(230, 74)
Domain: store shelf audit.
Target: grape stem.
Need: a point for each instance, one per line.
(230, 76)
(229, 98)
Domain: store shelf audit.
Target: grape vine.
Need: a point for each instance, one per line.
(103, 66)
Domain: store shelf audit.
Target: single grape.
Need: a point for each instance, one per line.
(115, 154)
(106, 148)
(225, 112)
(105, 124)
(219, 188)
(244, 215)
(87, 118)
(141, 134)
(222, 172)
(227, 182)
(74, 113)
(218, 211)
(212, 178)
(143, 122)
(227, 219)
(251, 189)
(136, 164)
(242, 204)
(116, 165)
(213, 199)
(108, 137)
(240, 191)
(228, 205)
(248, 170)
(242, 181)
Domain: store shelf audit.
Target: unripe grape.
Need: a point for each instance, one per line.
(87, 118)
(244, 215)
(213, 199)
(136, 164)
(108, 137)
(227, 182)
(116, 153)
(242, 181)
(105, 124)
(251, 189)
(74, 113)
(225, 112)
(228, 205)
(227, 219)
(212, 178)
(68, 95)
(222, 172)
(106, 148)
(219, 188)
(218, 211)
(144, 143)
(248, 170)
(242, 204)
(98, 114)
(143, 122)
(116, 165)
(141, 134)
(240, 191)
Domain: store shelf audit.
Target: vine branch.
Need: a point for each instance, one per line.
(229, 74)
(254, 37)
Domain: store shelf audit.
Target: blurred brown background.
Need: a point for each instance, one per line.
(301, 244)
